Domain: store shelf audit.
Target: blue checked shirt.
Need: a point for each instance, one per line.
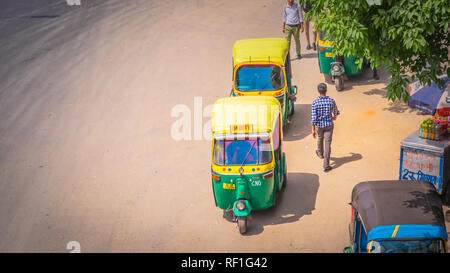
(321, 111)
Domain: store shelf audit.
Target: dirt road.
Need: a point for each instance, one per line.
(87, 152)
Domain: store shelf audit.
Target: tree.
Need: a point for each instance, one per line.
(410, 37)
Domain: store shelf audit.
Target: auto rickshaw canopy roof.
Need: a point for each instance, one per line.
(399, 209)
(263, 49)
(246, 114)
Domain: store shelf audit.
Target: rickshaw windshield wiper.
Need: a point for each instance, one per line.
(253, 145)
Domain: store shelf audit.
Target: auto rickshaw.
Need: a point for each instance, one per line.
(336, 66)
(396, 217)
(248, 163)
(263, 67)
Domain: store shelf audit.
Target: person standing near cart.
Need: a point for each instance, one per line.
(292, 24)
(323, 112)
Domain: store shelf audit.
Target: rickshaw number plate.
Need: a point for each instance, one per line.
(329, 54)
(229, 186)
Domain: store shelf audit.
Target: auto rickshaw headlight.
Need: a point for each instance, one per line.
(240, 205)
(336, 68)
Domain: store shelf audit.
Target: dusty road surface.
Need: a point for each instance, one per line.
(87, 152)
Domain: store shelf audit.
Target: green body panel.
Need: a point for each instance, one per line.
(325, 62)
(351, 68)
(255, 189)
(285, 108)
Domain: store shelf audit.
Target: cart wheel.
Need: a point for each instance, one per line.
(242, 224)
(339, 83)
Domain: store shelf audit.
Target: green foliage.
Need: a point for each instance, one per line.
(410, 37)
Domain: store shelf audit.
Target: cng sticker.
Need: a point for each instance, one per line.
(256, 183)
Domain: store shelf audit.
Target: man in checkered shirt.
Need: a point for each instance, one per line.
(323, 112)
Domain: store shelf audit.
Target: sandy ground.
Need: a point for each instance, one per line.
(86, 152)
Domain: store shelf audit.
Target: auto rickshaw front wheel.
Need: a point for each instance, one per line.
(284, 181)
(242, 224)
(339, 83)
(292, 110)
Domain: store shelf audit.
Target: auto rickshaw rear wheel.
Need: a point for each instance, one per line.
(339, 83)
(242, 224)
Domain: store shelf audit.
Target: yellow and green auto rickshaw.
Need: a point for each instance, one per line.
(337, 66)
(248, 164)
(263, 67)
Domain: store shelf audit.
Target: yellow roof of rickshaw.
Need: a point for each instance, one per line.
(265, 49)
(246, 114)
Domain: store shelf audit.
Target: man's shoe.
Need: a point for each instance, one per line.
(308, 47)
(318, 154)
(327, 169)
(299, 56)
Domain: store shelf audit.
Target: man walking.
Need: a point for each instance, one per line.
(323, 112)
(293, 23)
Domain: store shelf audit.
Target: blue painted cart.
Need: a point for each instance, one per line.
(428, 160)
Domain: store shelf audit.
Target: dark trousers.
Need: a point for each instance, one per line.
(324, 138)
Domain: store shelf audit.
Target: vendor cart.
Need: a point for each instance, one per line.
(429, 160)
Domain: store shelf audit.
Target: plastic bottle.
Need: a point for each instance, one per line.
(433, 132)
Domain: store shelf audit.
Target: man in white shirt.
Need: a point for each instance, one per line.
(293, 23)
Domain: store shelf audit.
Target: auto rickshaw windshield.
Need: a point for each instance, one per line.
(408, 246)
(255, 151)
(259, 78)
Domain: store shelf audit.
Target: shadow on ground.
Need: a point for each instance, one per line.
(397, 106)
(300, 126)
(336, 162)
(304, 56)
(293, 202)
